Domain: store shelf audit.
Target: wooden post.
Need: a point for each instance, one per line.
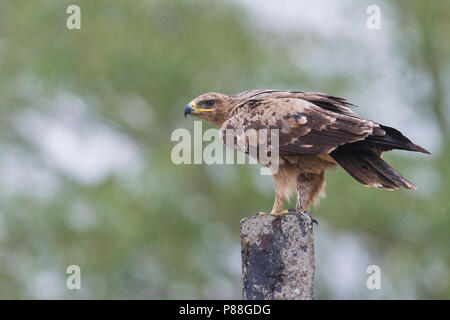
(277, 257)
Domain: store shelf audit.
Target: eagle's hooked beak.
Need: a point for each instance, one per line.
(189, 108)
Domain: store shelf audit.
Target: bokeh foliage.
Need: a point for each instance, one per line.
(151, 229)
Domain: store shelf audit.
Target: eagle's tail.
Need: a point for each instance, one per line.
(369, 169)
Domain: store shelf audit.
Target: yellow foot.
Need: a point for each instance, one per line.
(279, 213)
(274, 213)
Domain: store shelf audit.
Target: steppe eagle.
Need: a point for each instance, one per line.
(316, 132)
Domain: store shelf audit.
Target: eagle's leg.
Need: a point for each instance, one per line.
(278, 205)
(283, 186)
(309, 189)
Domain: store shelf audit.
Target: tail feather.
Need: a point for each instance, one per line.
(391, 139)
(394, 139)
(369, 169)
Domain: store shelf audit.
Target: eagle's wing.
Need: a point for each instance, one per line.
(303, 127)
(325, 101)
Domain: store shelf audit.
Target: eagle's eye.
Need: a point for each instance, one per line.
(210, 103)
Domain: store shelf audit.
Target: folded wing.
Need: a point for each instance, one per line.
(302, 127)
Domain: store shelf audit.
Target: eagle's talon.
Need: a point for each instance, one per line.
(310, 220)
(274, 213)
(278, 213)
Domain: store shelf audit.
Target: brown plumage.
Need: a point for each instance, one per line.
(316, 132)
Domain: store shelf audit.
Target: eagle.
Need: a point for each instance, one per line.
(316, 132)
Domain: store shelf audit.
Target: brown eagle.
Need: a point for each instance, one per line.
(316, 132)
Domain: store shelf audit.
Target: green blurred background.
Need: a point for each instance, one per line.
(86, 118)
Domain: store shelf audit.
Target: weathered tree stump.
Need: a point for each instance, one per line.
(277, 257)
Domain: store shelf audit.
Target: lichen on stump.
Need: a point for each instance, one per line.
(277, 257)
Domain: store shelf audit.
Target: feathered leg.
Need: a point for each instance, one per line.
(278, 205)
(309, 189)
(283, 183)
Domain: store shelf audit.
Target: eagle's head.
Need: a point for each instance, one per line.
(211, 106)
